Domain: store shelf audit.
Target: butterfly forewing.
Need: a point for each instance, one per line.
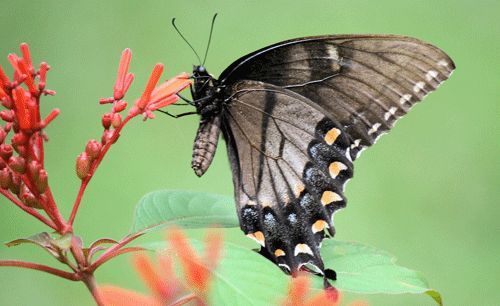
(364, 82)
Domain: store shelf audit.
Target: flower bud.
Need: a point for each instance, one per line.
(5, 178)
(30, 200)
(117, 120)
(7, 115)
(20, 149)
(119, 106)
(2, 164)
(34, 168)
(6, 151)
(106, 120)
(106, 136)
(83, 163)
(7, 103)
(18, 164)
(3, 134)
(93, 149)
(8, 127)
(42, 181)
(19, 139)
(15, 184)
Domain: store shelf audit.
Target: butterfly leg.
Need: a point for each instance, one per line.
(189, 102)
(176, 116)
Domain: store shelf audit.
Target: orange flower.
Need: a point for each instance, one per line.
(300, 287)
(161, 280)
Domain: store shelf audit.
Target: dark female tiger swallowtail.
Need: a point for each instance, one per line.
(295, 115)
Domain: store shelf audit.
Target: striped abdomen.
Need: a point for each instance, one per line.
(205, 144)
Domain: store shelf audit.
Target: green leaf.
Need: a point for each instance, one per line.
(41, 239)
(242, 277)
(183, 208)
(365, 269)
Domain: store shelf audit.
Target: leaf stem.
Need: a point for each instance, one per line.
(114, 251)
(40, 267)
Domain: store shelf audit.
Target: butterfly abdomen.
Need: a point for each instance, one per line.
(205, 144)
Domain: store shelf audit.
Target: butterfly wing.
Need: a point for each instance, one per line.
(289, 165)
(364, 82)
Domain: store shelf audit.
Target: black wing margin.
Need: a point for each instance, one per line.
(364, 82)
(290, 163)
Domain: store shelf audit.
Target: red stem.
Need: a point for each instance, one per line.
(39, 267)
(27, 209)
(110, 253)
(115, 254)
(96, 163)
(89, 280)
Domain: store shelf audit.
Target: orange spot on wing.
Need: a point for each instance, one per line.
(332, 135)
(329, 197)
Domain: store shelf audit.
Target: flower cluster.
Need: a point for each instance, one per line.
(165, 286)
(23, 177)
(153, 98)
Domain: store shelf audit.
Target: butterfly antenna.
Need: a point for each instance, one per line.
(209, 39)
(187, 42)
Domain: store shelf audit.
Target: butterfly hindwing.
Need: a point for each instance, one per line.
(289, 165)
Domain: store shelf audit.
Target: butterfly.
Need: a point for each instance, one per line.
(295, 116)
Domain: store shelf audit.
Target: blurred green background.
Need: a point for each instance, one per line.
(427, 192)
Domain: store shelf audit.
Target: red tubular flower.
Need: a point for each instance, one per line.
(158, 283)
(120, 87)
(3, 94)
(170, 87)
(22, 111)
(114, 296)
(44, 67)
(196, 269)
(167, 289)
(153, 80)
(4, 79)
(25, 51)
(51, 116)
(299, 289)
(29, 81)
(14, 60)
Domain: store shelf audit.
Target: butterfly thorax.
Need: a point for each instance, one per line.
(206, 93)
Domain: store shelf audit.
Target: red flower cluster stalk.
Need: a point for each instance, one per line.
(24, 178)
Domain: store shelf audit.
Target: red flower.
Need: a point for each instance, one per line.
(161, 280)
(21, 98)
(299, 290)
